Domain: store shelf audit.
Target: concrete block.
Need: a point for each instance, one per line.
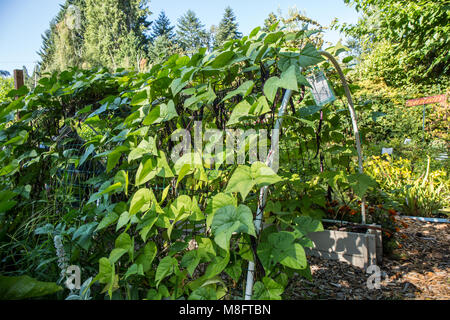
(358, 249)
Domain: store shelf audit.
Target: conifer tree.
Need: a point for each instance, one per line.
(115, 32)
(191, 34)
(68, 38)
(63, 41)
(228, 28)
(88, 33)
(47, 48)
(162, 27)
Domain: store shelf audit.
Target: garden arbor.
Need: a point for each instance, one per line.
(274, 142)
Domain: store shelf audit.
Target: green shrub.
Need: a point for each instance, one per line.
(414, 192)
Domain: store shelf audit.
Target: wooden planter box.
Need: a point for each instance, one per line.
(358, 249)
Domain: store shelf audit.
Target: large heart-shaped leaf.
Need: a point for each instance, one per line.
(245, 178)
(114, 157)
(146, 147)
(281, 247)
(147, 171)
(305, 225)
(244, 90)
(288, 79)
(218, 201)
(190, 261)
(240, 110)
(310, 56)
(360, 183)
(268, 289)
(230, 219)
(271, 87)
(165, 268)
(142, 200)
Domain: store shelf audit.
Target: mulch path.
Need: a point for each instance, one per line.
(418, 270)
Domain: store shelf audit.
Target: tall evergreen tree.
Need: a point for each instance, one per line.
(63, 42)
(69, 38)
(47, 48)
(191, 33)
(228, 28)
(115, 32)
(162, 27)
(163, 40)
(137, 12)
(212, 36)
(110, 33)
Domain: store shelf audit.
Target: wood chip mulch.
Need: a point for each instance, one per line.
(418, 270)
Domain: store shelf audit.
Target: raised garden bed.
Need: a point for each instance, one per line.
(360, 247)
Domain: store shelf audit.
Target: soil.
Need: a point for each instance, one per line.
(418, 270)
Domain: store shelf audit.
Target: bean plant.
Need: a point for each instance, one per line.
(87, 156)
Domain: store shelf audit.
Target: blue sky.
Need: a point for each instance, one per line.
(22, 22)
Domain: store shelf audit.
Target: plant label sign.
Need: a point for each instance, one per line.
(388, 151)
(427, 100)
(321, 89)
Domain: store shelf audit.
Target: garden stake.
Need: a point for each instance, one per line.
(263, 191)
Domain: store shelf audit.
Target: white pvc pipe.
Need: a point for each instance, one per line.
(424, 219)
(263, 191)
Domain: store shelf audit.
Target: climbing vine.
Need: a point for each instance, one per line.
(88, 156)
